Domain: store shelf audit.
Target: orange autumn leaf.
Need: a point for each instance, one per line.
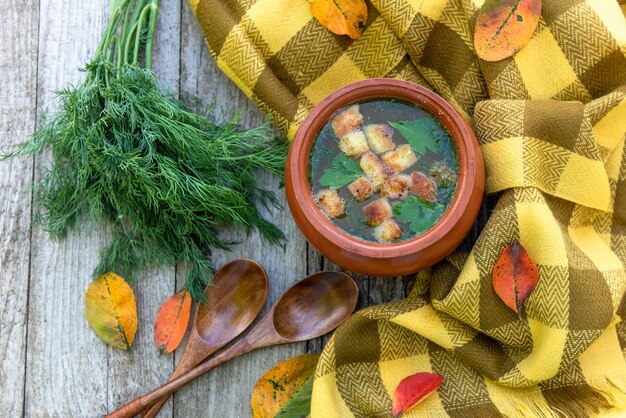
(341, 17)
(285, 390)
(413, 389)
(171, 321)
(111, 311)
(503, 27)
(515, 276)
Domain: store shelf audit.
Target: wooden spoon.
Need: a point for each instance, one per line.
(312, 307)
(235, 299)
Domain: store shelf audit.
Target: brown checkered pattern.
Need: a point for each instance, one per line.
(551, 121)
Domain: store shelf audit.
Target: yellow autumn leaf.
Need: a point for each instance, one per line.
(341, 17)
(285, 390)
(111, 311)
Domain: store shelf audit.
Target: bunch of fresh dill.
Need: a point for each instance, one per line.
(127, 151)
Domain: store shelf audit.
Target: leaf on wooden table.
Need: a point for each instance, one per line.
(171, 321)
(111, 311)
(285, 390)
(514, 276)
(503, 27)
(341, 17)
(341, 171)
(413, 389)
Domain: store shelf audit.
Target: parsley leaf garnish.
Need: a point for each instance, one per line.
(420, 214)
(422, 134)
(341, 171)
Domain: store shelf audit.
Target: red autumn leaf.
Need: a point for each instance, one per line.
(341, 17)
(413, 389)
(503, 27)
(171, 321)
(514, 276)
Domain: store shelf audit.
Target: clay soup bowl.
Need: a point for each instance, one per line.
(392, 259)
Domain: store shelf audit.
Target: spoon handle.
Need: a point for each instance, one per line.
(153, 411)
(140, 404)
(188, 361)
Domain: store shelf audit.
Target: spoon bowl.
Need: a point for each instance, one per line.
(315, 306)
(236, 297)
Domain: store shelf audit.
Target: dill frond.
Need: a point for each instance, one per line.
(165, 178)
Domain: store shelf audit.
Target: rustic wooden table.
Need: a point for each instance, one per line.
(51, 363)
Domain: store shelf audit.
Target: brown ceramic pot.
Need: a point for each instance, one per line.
(396, 258)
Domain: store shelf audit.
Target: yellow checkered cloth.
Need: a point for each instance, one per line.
(551, 121)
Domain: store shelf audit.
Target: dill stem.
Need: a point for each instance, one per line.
(110, 32)
(132, 32)
(122, 41)
(151, 27)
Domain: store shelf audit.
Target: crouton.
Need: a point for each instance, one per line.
(388, 231)
(330, 203)
(377, 211)
(400, 159)
(375, 169)
(361, 188)
(347, 121)
(379, 138)
(353, 143)
(397, 187)
(423, 186)
(442, 174)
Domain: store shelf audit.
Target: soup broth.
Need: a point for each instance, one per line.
(383, 170)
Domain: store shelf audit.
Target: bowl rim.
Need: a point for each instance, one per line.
(383, 88)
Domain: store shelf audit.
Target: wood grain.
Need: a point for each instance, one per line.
(18, 70)
(60, 344)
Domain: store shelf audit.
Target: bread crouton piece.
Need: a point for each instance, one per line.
(353, 143)
(361, 188)
(400, 159)
(375, 169)
(423, 186)
(347, 121)
(379, 137)
(397, 187)
(330, 203)
(442, 174)
(388, 231)
(377, 211)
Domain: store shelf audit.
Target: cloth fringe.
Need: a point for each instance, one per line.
(576, 401)
(531, 405)
(565, 402)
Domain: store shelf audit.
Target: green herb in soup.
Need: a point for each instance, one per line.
(383, 170)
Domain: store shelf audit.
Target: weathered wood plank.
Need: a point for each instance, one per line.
(18, 67)
(226, 390)
(66, 370)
